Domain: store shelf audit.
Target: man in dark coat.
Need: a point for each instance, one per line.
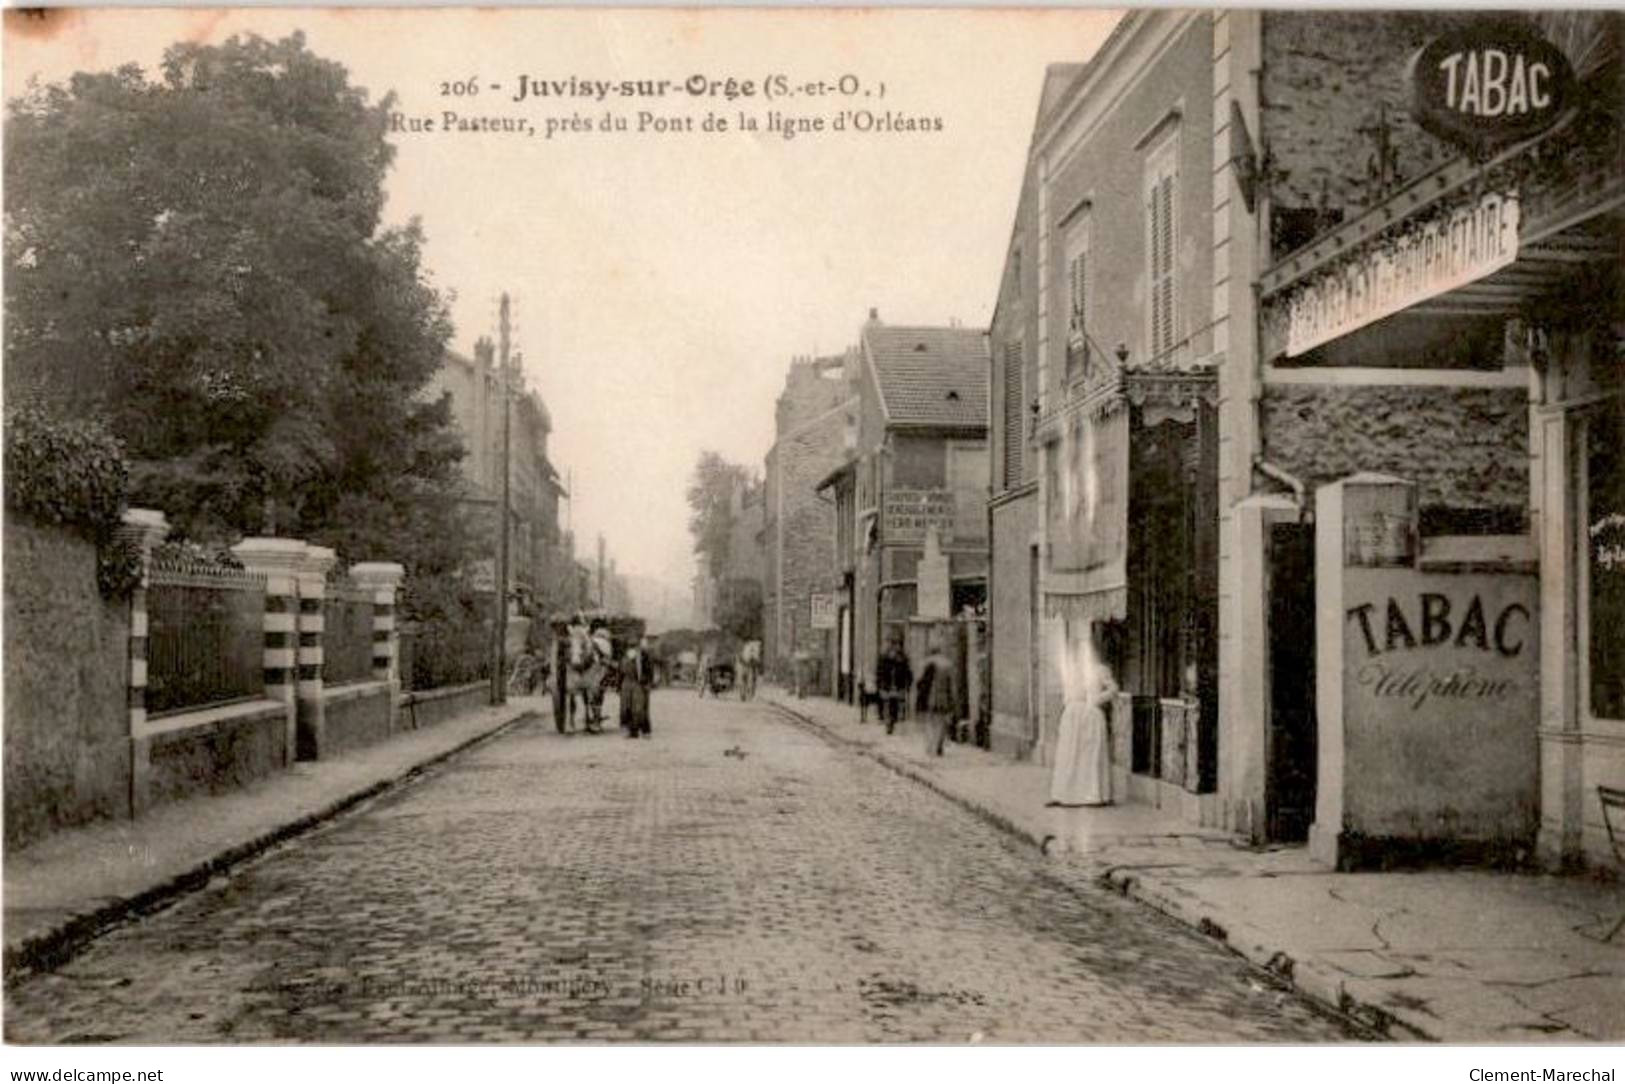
(637, 677)
(892, 679)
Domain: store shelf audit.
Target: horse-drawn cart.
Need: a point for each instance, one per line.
(719, 677)
(586, 654)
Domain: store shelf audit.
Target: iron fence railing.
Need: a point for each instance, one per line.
(346, 635)
(205, 636)
(437, 653)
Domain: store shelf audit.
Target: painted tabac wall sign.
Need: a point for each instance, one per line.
(1486, 86)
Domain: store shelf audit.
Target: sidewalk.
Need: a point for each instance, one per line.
(1460, 956)
(66, 888)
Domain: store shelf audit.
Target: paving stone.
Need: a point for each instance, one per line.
(545, 888)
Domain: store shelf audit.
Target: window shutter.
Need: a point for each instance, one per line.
(1014, 433)
(1168, 262)
(1080, 296)
(1161, 215)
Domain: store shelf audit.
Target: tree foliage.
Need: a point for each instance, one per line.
(198, 258)
(71, 473)
(739, 608)
(710, 520)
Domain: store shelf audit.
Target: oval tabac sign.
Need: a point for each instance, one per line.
(1487, 86)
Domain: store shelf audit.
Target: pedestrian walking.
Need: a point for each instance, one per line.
(748, 668)
(936, 697)
(893, 676)
(704, 673)
(637, 677)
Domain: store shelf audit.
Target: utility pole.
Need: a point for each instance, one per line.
(600, 570)
(499, 683)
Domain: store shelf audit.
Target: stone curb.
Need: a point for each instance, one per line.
(55, 947)
(910, 772)
(1305, 977)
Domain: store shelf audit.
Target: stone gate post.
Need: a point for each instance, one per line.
(382, 579)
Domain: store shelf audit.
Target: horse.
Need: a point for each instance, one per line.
(584, 675)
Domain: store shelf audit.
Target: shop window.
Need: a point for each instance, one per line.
(1605, 530)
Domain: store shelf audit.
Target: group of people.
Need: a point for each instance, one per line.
(935, 690)
(588, 667)
(1082, 771)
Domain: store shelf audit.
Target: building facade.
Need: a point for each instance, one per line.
(913, 490)
(536, 546)
(1106, 521)
(1014, 603)
(1324, 313)
(1440, 329)
(811, 423)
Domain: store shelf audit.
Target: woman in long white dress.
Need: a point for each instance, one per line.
(1082, 774)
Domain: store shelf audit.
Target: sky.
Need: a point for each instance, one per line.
(662, 282)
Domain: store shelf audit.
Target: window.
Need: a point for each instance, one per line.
(1015, 423)
(1077, 301)
(1161, 202)
(968, 479)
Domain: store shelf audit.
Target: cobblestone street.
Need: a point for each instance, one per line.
(735, 878)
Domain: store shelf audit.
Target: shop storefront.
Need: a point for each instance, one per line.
(1441, 379)
(1130, 583)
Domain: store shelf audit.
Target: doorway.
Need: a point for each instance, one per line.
(1290, 747)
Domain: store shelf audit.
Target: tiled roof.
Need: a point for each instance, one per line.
(930, 375)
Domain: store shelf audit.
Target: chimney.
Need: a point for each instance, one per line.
(484, 352)
(874, 316)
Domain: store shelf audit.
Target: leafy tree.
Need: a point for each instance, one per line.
(198, 259)
(739, 608)
(710, 521)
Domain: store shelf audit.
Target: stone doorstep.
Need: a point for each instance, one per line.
(70, 930)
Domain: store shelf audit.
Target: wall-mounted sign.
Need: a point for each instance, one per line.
(1487, 86)
(910, 513)
(823, 611)
(1434, 258)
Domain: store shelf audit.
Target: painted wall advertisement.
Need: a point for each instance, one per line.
(1441, 695)
(910, 513)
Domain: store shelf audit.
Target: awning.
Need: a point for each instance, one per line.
(1104, 604)
(1383, 263)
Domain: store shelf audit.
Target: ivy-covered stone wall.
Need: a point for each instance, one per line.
(67, 729)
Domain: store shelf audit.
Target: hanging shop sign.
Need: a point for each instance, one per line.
(1434, 258)
(1487, 86)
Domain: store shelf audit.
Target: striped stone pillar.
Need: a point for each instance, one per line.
(312, 577)
(381, 579)
(143, 528)
(279, 561)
